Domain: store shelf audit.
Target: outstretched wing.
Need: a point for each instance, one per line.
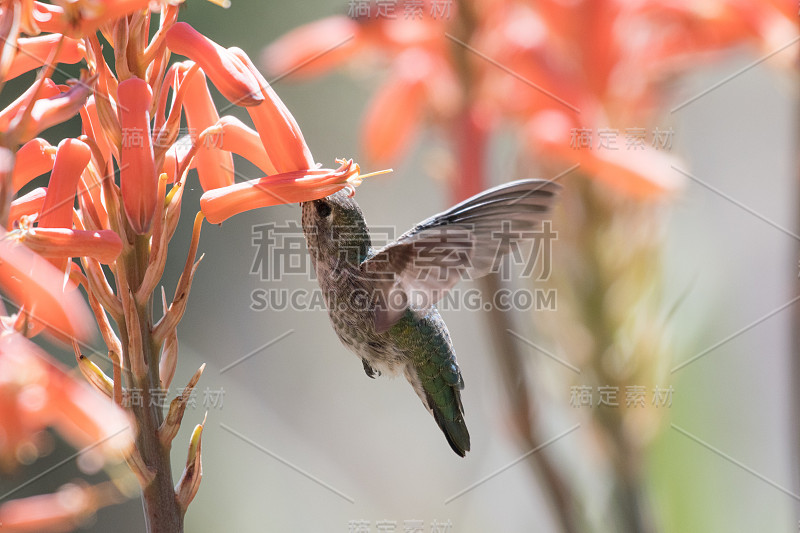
(465, 242)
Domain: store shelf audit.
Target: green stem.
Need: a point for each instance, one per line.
(629, 497)
(161, 509)
(471, 135)
(521, 400)
(472, 139)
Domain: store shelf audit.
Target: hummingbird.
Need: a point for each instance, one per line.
(381, 301)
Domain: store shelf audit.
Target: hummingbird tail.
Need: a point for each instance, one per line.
(443, 400)
(455, 431)
(434, 374)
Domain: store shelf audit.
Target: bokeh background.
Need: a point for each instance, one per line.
(313, 418)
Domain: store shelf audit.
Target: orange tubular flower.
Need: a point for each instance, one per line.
(228, 73)
(92, 127)
(103, 245)
(47, 112)
(643, 174)
(33, 52)
(79, 414)
(72, 156)
(214, 167)
(10, 16)
(578, 58)
(295, 186)
(394, 115)
(35, 158)
(83, 17)
(138, 178)
(47, 90)
(62, 511)
(42, 18)
(315, 48)
(280, 134)
(233, 135)
(31, 281)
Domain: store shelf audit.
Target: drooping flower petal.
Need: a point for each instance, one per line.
(643, 174)
(48, 89)
(33, 52)
(103, 245)
(138, 178)
(29, 280)
(47, 112)
(295, 186)
(280, 134)
(167, 128)
(228, 73)
(92, 127)
(214, 167)
(72, 156)
(232, 135)
(9, 33)
(35, 158)
(105, 94)
(394, 115)
(91, 199)
(314, 48)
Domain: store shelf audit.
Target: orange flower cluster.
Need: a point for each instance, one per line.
(111, 206)
(549, 67)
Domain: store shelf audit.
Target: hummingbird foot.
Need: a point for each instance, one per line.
(371, 372)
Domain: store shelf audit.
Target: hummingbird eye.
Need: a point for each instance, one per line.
(323, 209)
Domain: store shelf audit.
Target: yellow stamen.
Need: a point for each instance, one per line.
(357, 177)
(221, 3)
(376, 173)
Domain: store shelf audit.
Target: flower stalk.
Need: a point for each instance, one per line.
(127, 170)
(472, 141)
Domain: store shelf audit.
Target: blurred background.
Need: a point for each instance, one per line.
(302, 440)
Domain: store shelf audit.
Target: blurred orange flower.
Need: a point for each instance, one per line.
(36, 393)
(36, 285)
(583, 64)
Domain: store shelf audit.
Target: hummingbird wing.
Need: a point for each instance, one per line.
(465, 242)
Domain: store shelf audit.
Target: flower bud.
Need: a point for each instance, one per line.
(138, 178)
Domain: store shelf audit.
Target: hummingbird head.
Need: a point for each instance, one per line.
(334, 227)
